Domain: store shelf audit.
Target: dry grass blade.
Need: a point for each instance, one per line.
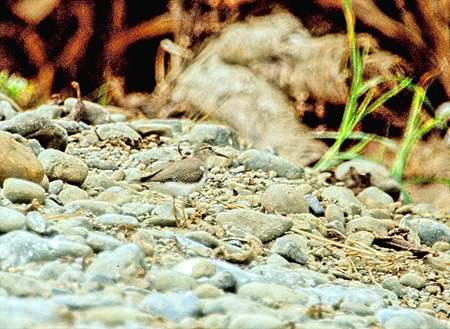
(368, 251)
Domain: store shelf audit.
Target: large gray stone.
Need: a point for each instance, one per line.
(242, 222)
(66, 167)
(255, 160)
(345, 199)
(11, 220)
(22, 191)
(282, 198)
(367, 223)
(173, 306)
(121, 264)
(112, 131)
(213, 134)
(18, 248)
(96, 207)
(31, 125)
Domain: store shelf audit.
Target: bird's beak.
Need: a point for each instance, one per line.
(220, 154)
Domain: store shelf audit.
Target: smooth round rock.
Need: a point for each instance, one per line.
(31, 125)
(116, 195)
(345, 199)
(18, 161)
(66, 167)
(255, 160)
(115, 219)
(121, 264)
(174, 306)
(374, 197)
(72, 193)
(242, 222)
(112, 131)
(196, 267)
(11, 220)
(393, 284)
(211, 133)
(36, 222)
(282, 198)
(288, 249)
(413, 280)
(166, 280)
(96, 207)
(22, 191)
(368, 224)
(251, 321)
(272, 293)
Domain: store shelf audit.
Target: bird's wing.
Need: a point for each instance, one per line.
(166, 173)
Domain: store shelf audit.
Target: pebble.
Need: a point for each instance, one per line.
(114, 131)
(31, 125)
(21, 286)
(196, 268)
(428, 230)
(11, 220)
(63, 166)
(6, 110)
(214, 134)
(100, 241)
(35, 222)
(208, 291)
(344, 198)
(49, 111)
(124, 263)
(314, 205)
(367, 223)
(272, 294)
(102, 255)
(281, 198)
(412, 280)
(173, 306)
(116, 195)
(116, 316)
(289, 250)
(379, 175)
(400, 318)
(256, 160)
(98, 208)
(72, 193)
(374, 197)
(253, 321)
(241, 222)
(18, 161)
(334, 213)
(148, 127)
(168, 280)
(19, 312)
(22, 191)
(18, 248)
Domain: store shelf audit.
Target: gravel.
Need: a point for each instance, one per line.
(269, 244)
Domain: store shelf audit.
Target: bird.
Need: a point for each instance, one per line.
(182, 177)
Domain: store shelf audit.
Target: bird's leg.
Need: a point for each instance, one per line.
(174, 211)
(183, 206)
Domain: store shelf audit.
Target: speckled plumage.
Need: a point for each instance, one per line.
(182, 177)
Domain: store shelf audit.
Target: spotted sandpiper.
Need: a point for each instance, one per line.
(181, 178)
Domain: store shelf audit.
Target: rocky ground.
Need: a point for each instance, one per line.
(269, 244)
